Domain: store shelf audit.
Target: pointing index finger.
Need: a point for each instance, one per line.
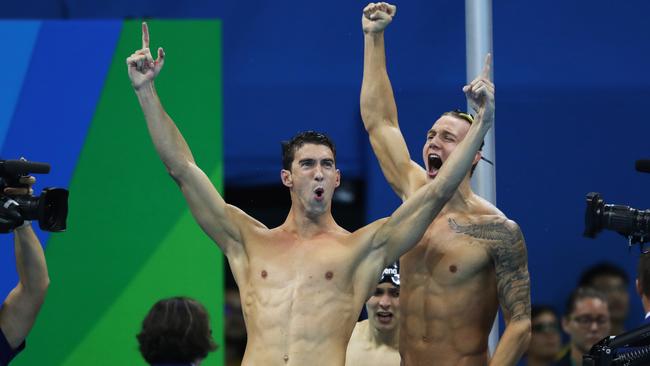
(145, 35)
(486, 67)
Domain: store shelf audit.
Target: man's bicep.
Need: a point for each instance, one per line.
(222, 222)
(403, 174)
(513, 280)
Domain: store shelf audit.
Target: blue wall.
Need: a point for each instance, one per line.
(572, 88)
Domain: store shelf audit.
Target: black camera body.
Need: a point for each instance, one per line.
(50, 209)
(630, 222)
(628, 349)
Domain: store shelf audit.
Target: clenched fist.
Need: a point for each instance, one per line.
(377, 16)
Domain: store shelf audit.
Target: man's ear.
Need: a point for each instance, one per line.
(338, 178)
(477, 158)
(565, 324)
(286, 178)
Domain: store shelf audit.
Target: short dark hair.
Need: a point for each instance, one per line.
(469, 118)
(602, 269)
(643, 274)
(176, 330)
(582, 293)
(290, 147)
(539, 309)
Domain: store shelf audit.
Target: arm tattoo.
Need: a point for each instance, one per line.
(506, 246)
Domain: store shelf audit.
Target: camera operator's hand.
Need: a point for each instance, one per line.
(25, 190)
(141, 65)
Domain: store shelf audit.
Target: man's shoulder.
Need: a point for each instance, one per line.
(359, 331)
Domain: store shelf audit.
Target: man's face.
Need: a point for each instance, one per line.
(545, 341)
(442, 139)
(383, 307)
(313, 177)
(617, 295)
(588, 324)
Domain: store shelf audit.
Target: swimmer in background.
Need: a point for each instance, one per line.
(375, 341)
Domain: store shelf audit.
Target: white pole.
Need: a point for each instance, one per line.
(478, 38)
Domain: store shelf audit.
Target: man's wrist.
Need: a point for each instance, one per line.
(146, 89)
(374, 33)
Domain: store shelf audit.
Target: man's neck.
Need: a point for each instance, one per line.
(307, 226)
(576, 356)
(617, 327)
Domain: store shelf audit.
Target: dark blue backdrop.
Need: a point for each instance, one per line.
(572, 88)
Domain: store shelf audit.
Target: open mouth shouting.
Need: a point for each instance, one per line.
(384, 317)
(434, 162)
(319, 193)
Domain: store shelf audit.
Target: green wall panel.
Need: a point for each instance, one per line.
(130, 238)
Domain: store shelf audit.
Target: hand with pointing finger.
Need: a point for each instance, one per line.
(141, 65)
(480, 93)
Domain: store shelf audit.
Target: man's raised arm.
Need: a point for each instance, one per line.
(378, 109)
(409, 222)
(219, 220)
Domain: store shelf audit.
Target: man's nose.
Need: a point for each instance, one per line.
(384, 301)
(319, 173)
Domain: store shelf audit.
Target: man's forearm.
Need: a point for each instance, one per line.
(377, 100)
(512, 344)
(30, 263)
(169, 143)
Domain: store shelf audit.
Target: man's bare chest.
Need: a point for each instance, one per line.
(446, 256)
(301, 267)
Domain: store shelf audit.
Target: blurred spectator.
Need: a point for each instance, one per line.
(176, 332)
(643, 285)
(545, 341)
(586, 321)
(613, 282)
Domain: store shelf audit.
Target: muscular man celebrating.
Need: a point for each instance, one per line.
(472, 258)
(374, 341)
(302, 283)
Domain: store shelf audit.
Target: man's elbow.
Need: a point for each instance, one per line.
(38, 290)
(180, 171)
